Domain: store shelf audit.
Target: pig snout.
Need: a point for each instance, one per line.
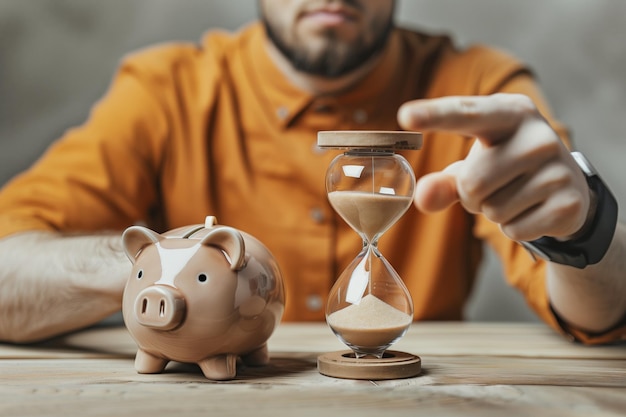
(160, 307)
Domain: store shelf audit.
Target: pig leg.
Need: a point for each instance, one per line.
(147, 363)
(219, 367)
(257, 357)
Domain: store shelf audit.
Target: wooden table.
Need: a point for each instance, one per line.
(469, 369)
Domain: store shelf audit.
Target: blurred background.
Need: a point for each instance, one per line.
(57, 58)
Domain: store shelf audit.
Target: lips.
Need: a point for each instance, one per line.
(330, 15)
(327, 19)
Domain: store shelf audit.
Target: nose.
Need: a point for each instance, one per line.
(160, 307)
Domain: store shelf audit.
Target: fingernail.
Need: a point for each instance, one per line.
(411, 115)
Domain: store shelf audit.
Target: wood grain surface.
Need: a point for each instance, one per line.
(468, 369)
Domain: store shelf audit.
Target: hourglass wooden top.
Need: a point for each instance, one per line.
(369, 139)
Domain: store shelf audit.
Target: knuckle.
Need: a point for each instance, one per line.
(557, 178)
(520, 102)
(569, 206)
(545, 147)
(515, 233)
(563, 213)
(468, 108)
(493, 213)
(549, 147)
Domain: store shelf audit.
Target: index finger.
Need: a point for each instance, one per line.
(490, 118)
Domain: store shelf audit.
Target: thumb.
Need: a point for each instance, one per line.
(438, 190)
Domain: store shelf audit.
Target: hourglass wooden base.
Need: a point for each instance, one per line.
(393, 365)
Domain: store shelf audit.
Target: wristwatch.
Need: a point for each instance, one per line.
(590, 247)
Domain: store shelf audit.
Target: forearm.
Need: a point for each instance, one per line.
(51, 284)
(594, 298)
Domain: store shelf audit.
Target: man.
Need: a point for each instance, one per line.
(229, 129)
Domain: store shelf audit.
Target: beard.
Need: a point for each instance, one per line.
(337, 57)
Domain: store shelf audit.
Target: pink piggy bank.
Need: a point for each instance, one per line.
(202, 294)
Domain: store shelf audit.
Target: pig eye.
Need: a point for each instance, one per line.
(202, 278)
(140, 274)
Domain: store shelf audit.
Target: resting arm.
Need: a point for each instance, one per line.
(52, 284)
(594, 298)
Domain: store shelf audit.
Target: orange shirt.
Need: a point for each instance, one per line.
(187, 131)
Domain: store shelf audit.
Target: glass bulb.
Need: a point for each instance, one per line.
(369, 307)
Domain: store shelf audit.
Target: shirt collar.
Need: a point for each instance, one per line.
(286, 101)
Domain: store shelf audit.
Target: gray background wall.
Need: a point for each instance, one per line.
(57, 58)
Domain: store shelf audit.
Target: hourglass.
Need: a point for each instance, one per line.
(369, 308)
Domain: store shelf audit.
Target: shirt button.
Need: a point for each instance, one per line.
(282, 112)
(360, 116)
(314, 302)
(317, 214)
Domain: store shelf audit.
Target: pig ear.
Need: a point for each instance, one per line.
(231, 242)
(135, 238)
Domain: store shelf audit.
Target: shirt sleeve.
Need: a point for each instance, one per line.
(101, 175)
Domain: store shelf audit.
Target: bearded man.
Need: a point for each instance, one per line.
(228, 128)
